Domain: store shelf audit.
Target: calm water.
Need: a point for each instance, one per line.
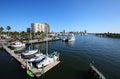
(75, 58)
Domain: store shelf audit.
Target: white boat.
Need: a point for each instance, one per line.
(30, 52)
(46, 61)
(17, 44)
(71, 38)
(37, 58)
(63, 39)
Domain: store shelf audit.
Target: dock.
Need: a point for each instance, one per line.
(95, 73)
(40, 40)
(34, 70)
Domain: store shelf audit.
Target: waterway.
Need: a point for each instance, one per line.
(75, 58)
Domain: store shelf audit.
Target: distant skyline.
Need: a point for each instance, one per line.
(71, 15)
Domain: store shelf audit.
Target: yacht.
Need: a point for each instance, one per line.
(64, 39)
(17, 44)
(71, 38)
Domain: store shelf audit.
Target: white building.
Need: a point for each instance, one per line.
(40, 27)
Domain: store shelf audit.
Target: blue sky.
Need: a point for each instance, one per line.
(71, 15)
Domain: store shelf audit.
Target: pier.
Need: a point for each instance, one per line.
(95, 73)
(34, 70)
(40, 41)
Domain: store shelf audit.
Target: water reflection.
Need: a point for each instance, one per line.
(71, 43)
(42, 47)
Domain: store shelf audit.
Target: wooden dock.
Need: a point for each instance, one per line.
(36, 72)
(40, 41)
(95, 73)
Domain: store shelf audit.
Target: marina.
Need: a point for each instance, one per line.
(74, 59)
(60, 39)
(24, 63)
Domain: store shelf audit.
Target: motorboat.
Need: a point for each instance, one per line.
(46, 61)
(48, 58)
(71, 38)
(37, 58)
(64, 39)
(17, 44)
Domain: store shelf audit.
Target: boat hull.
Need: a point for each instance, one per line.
(29, 54)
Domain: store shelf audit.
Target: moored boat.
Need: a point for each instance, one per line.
(17, 44)
(71, 38)
(46, 61)
(29, 53)
(36, 59)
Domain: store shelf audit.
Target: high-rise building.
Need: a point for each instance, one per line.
(28, 30)
(40, 27)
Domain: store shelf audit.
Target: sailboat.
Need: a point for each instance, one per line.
(48, 59)
(30, 52)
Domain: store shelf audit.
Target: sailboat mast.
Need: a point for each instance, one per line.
(47, 41)
(31, 36)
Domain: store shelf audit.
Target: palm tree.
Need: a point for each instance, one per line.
(1, 29)
(8, 28)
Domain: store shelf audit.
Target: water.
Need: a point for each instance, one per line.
(75, 58)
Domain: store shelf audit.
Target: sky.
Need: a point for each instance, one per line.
(95, 16)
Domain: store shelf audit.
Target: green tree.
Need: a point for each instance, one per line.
(38, 33)
(25, 35)
(15, 34)
(1, 30)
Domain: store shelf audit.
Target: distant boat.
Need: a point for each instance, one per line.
(17, 44)
(64, 39)
(70, 38)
